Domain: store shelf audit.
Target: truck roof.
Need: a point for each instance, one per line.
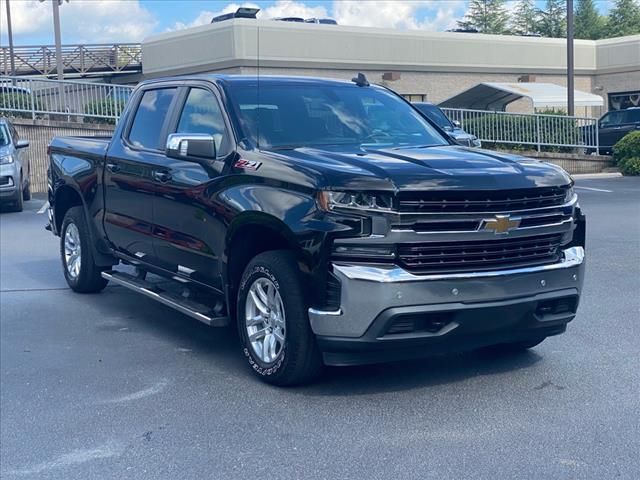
(231, 79)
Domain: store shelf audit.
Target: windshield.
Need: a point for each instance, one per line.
(290, 116)
(434, 114)
(4, 136)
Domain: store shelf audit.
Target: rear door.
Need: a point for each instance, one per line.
(129, 178)
(189, 227)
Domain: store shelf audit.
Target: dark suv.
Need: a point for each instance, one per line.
(453, 128)
(616, 124)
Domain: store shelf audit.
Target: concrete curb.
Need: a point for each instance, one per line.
(587, 176)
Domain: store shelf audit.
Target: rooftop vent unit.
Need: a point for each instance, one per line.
(240, 13)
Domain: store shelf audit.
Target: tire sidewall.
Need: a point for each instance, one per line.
(255, 271)
(68, 220)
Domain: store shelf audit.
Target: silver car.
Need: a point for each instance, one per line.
(14, 167)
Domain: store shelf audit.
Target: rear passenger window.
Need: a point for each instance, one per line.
(146, 129)
(202, 114)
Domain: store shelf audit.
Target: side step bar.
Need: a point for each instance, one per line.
(195, 310)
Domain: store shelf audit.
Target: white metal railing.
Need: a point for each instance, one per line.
(63, 99)
(538, 130)
(76, 59)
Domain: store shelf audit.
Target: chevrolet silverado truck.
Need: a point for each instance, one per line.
(329, 221)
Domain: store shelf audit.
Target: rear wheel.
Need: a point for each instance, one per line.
(76, 251)
(273, 322)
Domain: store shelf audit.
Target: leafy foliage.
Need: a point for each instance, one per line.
(588, 23)
(486, 16)
(524, 20)
(491, 16)
(630, 166)
(553, 19)
(10, 101)
(624, 19)
(627, 147)
(103, 108)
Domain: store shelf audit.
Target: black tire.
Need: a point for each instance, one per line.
(299, 360)
(18, 204)
(517, 346)
(26, 192)
(88, 279)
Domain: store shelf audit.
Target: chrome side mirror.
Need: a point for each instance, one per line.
(191, 146)
(22, 144)
(457, 124)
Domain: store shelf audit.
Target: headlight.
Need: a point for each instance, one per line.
(6, 159)
(475, 142)
(569, 195)
(379, 202)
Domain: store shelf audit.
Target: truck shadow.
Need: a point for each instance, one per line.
(221, 346)
(421, 373)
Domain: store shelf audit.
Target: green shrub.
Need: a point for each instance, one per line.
(525, 129)
(627, 147)
(630, 166)
(9, 101)
(103, 107)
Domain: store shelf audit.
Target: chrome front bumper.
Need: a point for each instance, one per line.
(367, 291)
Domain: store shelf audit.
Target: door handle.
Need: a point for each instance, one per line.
(163, 177)
(113, 167)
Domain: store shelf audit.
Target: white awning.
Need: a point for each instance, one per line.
(496, 96)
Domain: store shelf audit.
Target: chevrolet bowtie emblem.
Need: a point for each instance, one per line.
(500, 224)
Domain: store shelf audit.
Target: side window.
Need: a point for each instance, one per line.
(613, 118)
(202, 114)
(631, 116)
(146, 129)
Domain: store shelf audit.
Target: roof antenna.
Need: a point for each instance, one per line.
(360, 80)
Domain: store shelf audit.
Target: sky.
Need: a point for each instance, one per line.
(122, 21)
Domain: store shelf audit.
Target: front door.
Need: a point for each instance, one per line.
(189, 231)
(129, 176)
(610, 125)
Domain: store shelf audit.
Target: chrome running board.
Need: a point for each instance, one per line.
(195, 310)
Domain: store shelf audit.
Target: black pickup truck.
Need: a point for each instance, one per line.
(328, 220)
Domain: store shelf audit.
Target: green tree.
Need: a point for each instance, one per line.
(624, 19)
(588, 23)
(524, 20)
(553, 19)
(486, 16)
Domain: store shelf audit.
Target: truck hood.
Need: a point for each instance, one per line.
(422, 168)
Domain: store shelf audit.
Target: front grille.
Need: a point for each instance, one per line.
(476, 256)
(481, 200)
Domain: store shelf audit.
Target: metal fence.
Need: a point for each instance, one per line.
(65, 100)
(78, 59)
(545, 132)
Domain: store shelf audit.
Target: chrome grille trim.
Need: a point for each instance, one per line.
(473, 201)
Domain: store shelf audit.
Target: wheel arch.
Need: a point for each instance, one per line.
(67, 196)
(251, 234)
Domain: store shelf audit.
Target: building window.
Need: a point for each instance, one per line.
(415, 97)
(622, 100)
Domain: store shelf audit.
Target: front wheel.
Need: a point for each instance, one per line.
(76, 251)
(26, 192)
(273, 322)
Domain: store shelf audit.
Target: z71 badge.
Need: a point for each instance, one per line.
(248, 164)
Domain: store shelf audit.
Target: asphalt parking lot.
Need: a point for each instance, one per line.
(116, 386)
